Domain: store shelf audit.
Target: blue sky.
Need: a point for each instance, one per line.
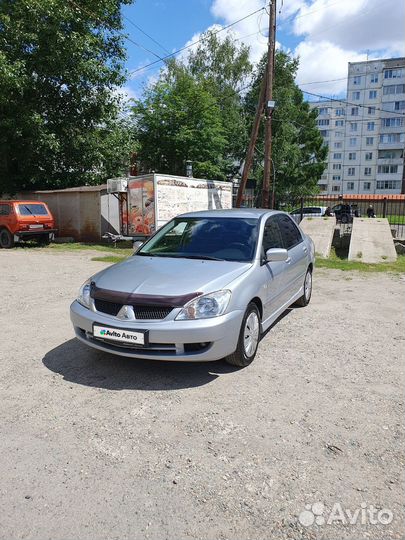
(325, 34)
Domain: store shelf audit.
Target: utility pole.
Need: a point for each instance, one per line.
(252, 143)
(269, 105)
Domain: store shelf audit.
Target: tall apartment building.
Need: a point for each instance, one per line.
(366, 132)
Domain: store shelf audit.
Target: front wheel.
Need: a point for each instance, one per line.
(6, 239)
(306, 297)
(248, 338)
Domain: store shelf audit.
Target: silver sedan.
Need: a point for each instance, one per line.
(204, 287)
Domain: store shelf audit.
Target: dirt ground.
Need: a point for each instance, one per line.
(95, 446)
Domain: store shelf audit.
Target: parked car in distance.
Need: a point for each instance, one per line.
(25, 220)
(204, 287)
(308, 211)
(346, 212)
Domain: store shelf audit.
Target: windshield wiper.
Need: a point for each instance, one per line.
(203, 257)
(26, 207)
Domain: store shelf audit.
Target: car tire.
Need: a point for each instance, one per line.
(249, 337)
(306, 297)
(6, 239)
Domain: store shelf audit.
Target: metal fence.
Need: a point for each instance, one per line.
(344, 207)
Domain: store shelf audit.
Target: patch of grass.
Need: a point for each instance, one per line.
(109, 259)
(124, 248)
(336, 263)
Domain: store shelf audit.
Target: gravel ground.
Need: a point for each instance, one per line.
(100, 447)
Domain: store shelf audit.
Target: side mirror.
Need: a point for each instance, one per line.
(276, 254)
(136, 245)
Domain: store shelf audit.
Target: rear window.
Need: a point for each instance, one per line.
(32, 210)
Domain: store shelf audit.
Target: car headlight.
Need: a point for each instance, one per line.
(84, 294)
(204, 307)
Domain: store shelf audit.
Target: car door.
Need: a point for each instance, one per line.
(273, 272)
(297, 254)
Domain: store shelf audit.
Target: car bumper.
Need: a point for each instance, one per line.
(169, 340)
(35, 232)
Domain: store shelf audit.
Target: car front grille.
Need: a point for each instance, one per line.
(141, 312)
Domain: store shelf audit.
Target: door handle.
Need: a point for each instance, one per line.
(305, 250)
(288, 260)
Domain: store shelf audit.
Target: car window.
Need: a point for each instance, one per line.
(272, 235)
(289, 231)
(28, 209)
(229, 239)
(4, 209)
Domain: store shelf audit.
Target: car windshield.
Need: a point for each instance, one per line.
(32, 209)
(225, 239)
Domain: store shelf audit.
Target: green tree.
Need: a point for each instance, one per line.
(60, 64)
(196, 110)
(179, 120)
(298, 151)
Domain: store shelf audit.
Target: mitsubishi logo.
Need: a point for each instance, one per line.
(126, 313)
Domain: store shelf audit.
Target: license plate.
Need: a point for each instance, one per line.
(134, 337)
(36, 226)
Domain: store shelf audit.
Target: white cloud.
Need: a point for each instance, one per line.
(337, 32)
(126, 93)
(324, 61)
(246, 30)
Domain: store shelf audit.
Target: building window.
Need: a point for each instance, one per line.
(394, 73)
(390, 154)
(367, 171)
(387, 169)
(350, 186)
(353, 126)
(394, 89)
(374, 78)
(340, 112)
(355, 95)
(352, 141)
(392, 138)
(336, 177)
(357, 79)
(352, 156)
(369, 156)
(337, 166)
(388, 184)
(371, 110)
(338, 134)
(366, 186)
(339, 123)
(370, 126)
(335, 188)
(354, 111)
(392, 122)
(323, 122)
(399, 105)
(323, 187)
(372, 94)
(350, 171)
(324, 132)
(369, 141)
(323, 110)
(337, 144)
(337, 155)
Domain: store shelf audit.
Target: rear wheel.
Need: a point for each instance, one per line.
(6, 239)
(248, 338)
(306, 297)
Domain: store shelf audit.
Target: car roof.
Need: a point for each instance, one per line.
(14, 201)
(251, 213)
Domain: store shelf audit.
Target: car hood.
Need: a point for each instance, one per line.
(168, 276)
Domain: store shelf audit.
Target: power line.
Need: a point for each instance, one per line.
(145, 33)
(194, 42)
(82, 9)
(350, 103)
